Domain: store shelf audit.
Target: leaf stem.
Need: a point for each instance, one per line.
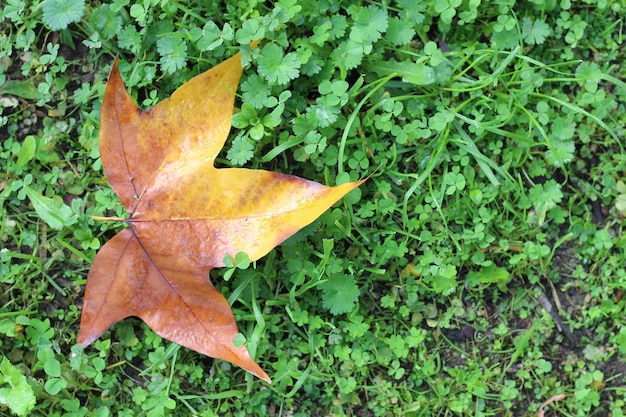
(109, 219)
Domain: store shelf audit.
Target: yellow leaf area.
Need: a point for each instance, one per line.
(186, 215)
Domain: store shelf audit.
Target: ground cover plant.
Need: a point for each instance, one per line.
(479, 271)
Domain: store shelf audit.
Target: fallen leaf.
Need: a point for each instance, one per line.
(186, 215)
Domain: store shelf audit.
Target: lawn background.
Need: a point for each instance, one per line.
(479, 271)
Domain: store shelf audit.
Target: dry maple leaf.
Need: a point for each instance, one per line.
(186, 215)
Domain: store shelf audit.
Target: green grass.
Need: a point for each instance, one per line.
(479, 271)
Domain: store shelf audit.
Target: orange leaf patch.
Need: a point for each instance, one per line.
(186, 215)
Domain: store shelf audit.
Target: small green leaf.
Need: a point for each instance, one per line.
(536, 251)
(535, 33)
(369, 25)
(229, 262)
(107, 22)
(27, 151)
(251, 30)
(52, 367)
(241, 151)
(546, 196)
(476, 196)
(455, 182)
(400, 32)
(55, 385)
(129, 38)
(228, 274)
(207, 38)
(447, 15)
(239, 340)
(255, 92)
(563, 128)
(602, 240)
(51, 210)
(594, 353)
(432, 50)
(242, 260)
(24, 89)
(324, 114)
(620, 341)
(589, 74)
(560, 153)
(246, 117)
(491, 274)
(415, 73)
(173, 53)
(620, 201)
(340, 294)
(58, 14)
(347, 55)
(276, 67)
(19, 397)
